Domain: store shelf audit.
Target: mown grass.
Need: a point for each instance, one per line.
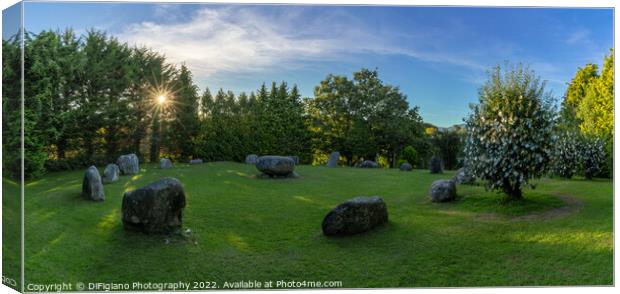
(11, 237)
(245, 228)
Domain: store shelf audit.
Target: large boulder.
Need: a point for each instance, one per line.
(406, 166)
(165, 163)
(435, 165)
(251, 159)
(463, 177)
(276, 166)
(128, 164)
(354, 216)
(195, 161)
(368, 164)
(110, 173)
(92, 187)
(443, 191)
(154, 208)
(334, 157)
(295, 159)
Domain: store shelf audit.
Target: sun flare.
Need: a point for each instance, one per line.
(161, 99)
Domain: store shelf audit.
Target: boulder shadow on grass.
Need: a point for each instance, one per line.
(376, 233)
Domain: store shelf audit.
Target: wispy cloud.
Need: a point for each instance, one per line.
(226, 40)
(579, 36)
(235, 39)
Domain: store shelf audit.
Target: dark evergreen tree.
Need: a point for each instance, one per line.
(183, 123)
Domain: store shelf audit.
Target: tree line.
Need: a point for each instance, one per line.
(90, 98)
(586, 123)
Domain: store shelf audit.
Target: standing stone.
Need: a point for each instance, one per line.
(295, 159)
(368, 164)
(406, 166)
(195, 161)
(276, 166)
(463, 177)
(334, 157)
(354, 216)
(128, 164)
(165, 163)
(155, 208)
(92, 187)
(110, 173)
(435, 165)
(251, 159)
(443, 191)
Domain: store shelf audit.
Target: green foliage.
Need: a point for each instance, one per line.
(11, 104)
(88, 100)
(565, 154)
(575, 93)
(588, 106)
(272, 122)
(410, 155)
(282, 126)
(362, 117)
(448, 144)
(509, 132)
(183, 124)
(596, 110)
(592, 155)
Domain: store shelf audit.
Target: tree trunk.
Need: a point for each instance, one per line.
(136, 146)
(155, 138)
(111, 143)
(393, 163)
(514, 193)
(90, 149)
(61, 147)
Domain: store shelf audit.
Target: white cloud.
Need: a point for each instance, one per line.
(579, 36)
(235, 39)
(227, 40)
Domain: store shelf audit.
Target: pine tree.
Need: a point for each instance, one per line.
(183, 124)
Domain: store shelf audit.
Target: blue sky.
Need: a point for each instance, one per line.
(437, 55)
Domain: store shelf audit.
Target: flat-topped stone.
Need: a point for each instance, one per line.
(276, 166)
(368, 164)
(295, 159)
(251, 159)
(406, 167)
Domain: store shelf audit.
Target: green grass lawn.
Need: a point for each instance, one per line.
(256, 229)
(11, 237)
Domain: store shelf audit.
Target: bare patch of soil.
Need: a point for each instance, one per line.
(571, 205)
